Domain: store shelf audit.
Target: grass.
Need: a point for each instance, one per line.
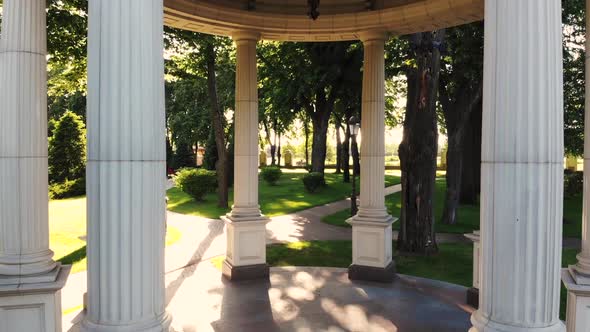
(452, 264)
(572, 216)
(468, 215)
(67, 232)
(287, 196)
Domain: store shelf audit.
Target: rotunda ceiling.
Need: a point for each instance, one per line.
(334, 19)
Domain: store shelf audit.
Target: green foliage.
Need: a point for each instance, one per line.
(271, 174)
(574, 18)
(573, 183)
(313, 182)
(67, 149)
(68, 189)
(183, 157)
(196, 182)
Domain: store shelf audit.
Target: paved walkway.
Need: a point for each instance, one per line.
(203, 239)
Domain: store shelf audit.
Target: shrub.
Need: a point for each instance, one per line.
(196, 182)
(67, 189)
(271, 174)
(67, 149)
(313, 182)
(573, 183)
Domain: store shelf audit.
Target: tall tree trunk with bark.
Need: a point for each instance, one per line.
(457, 113)
(320, 119)
(218, 123)
(471, 176)
(418, 149)
(337, 126)
(306, 132)
(279, 151)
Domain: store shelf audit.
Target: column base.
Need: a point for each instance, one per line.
(578, 302)
(473, 297)
(371, 273)
(158, 324)
(246, 272)
(484, 324)
(33, 307)
(41, 278)
(246, 248)
(579, 275)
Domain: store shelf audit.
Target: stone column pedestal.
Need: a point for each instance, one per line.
(473, 292)
(30, 280)
(246, 226)
(372, 257)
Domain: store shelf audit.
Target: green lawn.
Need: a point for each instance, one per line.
(468, 215)
(67, 232)
(452, 264)
(286, 197)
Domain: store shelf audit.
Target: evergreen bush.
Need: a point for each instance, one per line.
(196, 182)
(271, 174)
(67, 149)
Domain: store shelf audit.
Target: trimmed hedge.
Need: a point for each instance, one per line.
(271, 174)
(313, 182)
(68, 189)
(196, 182)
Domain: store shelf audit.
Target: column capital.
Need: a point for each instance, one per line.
(245, 35)
(373, 36)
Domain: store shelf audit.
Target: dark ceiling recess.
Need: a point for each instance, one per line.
(251, 4)
(313, 9)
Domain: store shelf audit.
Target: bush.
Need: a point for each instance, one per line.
(573, 183)
(68, 189)
(271, 174)
(67, 149)
(196, 182)
(313, 182)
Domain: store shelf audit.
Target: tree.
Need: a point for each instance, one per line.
(418, 149)
(203, 56)
(67, 149)
(574, 18)
(460, 95)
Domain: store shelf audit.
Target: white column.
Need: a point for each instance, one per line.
(24, 229)
(126, 167)
(371, 227)
(577, 277)
(246, 226)
(30, 281)
(522, 168)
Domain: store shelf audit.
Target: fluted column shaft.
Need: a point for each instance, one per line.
(371, 227)
(126, 167)
(246, 127)
(522, 167)
(373, 127)
(24, 229)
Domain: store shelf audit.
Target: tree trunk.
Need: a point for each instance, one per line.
(454, 171)
(218, 119)
(338, 148)
(418, 149)
(319, 137)
(306, 130)
(356, 158)
(273, 147)
(471, 157)
(279, 151)
(346, 156)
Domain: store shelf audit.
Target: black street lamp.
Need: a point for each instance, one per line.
(355, 125)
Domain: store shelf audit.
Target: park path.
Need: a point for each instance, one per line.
(203, 239)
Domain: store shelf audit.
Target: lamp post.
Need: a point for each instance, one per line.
(355, 126)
